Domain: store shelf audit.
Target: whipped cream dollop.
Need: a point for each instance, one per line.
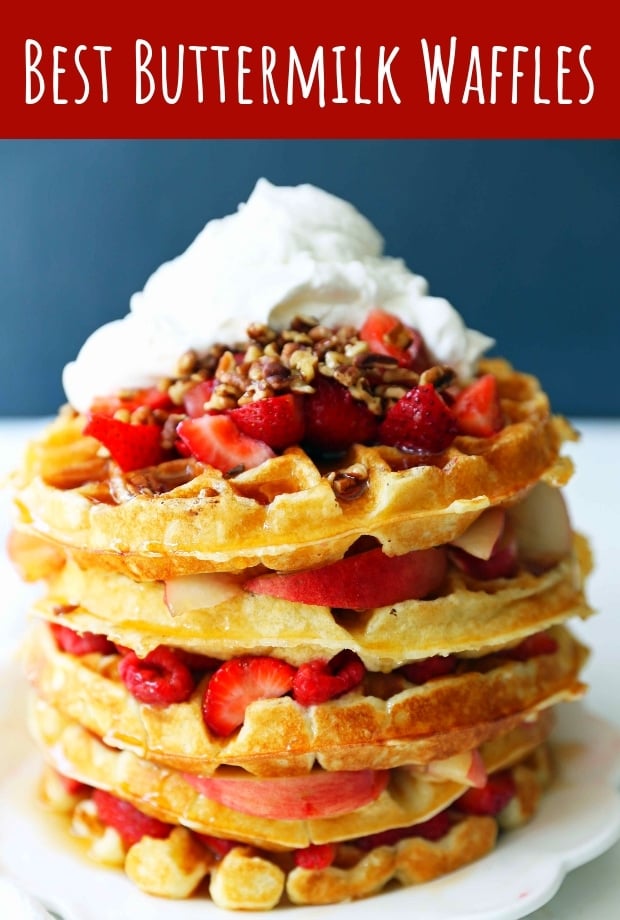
(288, 250)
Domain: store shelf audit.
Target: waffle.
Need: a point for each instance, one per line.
(407, 800)
(416, 724)
(284, 513)
(469, 616)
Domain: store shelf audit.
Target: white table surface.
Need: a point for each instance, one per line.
(591, 892)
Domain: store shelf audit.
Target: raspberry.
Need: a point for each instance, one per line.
(218, 845)
(420, 420)
(131, 824)
(433, 829)
(160, 678)
(532, 646)
(68, 640)
(319, 680)
(70, 785)
(418, 672)
(490, 799)
(316, 856)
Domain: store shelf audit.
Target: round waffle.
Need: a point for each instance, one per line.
(166, 794)
(469, 616)
(415, 724)
(284, 513)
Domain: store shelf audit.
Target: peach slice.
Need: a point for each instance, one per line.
(480, 538)
(542, 526)
(199, 592)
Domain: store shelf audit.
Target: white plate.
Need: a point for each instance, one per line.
(579, 819)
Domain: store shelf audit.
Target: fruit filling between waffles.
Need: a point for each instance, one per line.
(307, 570)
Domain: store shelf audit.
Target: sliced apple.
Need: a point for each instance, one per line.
(503, 562)
(466, 768)
(365, 580)
(542, 526)
(317, 795)
(481, 537)
(199, 592)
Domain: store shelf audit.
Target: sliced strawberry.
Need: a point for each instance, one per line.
(239, 682)
(151, 397)
(131, 824)
(420, 421)
(477, 408)
(387, 335)
(334, 420)
(216, 440)
(276, 420)
(316, 856)
(489, 799)
(132, 446)
(195, 398)
(418, 672)
(318, 681)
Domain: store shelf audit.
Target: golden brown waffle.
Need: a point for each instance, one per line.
(279, 736)
(468, 617)
(259, 878)
(166, 794)
(283, 514)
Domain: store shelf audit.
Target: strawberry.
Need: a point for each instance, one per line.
(538, 644)
(316, 856)
(433, 829)
(276, 420)
(74, 643)
(420, 421)
(477, 408)
(418, 672)
(195, 398)
(239, 682)
(219, 846)
(318, 681)
(216, 440)
(334, 419)
(131, 824)
(131, 446)
(387, 335)
(151, 397)
(70, 785)
(489, 799)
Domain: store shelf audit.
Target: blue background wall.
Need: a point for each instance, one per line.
(523, 237)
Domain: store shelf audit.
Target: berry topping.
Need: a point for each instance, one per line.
(72, 786)
(539, 644)
(239, 682)
(195, 398)
(219, 846)
(68, 640)
(160, 678)
(359, 582)
(477, 408)
(276, 420)
(385, 334)
(420, 421)
(149, 398)
(133, 447)
(433, 829)
(489, 799)
(319, 680)
(316, 856)
(418, 672)
(334, 419)
(216, 440)
(131, 823)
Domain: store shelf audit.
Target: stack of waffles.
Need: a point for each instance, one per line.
(304, 625)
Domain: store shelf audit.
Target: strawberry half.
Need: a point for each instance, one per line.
(239, 682)
(334, 420)
(276, 420)
(131, 446)
(385, 334)
(420, 420)
(151, 397)
(490, 799)
(477, 408)
(216, 440)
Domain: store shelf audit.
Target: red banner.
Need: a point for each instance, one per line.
(325, 70)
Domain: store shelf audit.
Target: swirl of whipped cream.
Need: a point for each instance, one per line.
(286, 251)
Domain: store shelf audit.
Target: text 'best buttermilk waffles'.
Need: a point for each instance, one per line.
(308, 573)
